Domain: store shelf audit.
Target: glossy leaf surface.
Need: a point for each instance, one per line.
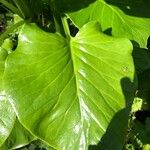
(7, 118)
(67, 93)
(7, 115)
(129, 25)
(3, 55)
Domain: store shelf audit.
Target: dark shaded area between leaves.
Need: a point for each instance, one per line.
(142, 115)
(71, 5)
(139, 8)
(144, 86)
(148, 43)
(2, 19)
(141, 59)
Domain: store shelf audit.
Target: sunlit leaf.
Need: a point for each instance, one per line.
(68, 93)
(7, 118)
(7, 115)
(131, 25)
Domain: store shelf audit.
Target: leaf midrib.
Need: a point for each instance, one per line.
(76, 78)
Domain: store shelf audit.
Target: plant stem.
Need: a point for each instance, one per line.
(57, 20)
(58, 24)
(66, 27)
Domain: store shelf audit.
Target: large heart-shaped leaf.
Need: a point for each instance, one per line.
(7, 115)
(133, 27)
(67, 93)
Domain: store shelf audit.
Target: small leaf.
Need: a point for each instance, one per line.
(3, 55)
(7, 118)
(134, 27)
(7, 115)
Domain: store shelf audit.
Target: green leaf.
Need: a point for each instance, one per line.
(7, 118)
(3, 55)
(38, 144)
(67, 93)
(11, 29)
(19, 137)
(8, 123)
(7, 115)
(130, 26)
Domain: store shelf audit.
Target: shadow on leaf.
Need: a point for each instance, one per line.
(114, 138)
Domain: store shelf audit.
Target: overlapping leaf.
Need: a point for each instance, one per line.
(9, 127)
(7, 115)
(7, 118)
(69, 91)
(19, 137)
(129, 25)
(3, 55)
